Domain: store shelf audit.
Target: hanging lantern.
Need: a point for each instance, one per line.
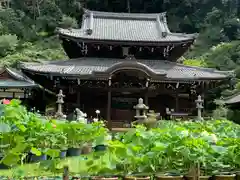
(110, 47)
(152, 49)
(98, 47)
(140, 49)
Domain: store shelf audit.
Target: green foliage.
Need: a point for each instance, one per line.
(221, 111)
(8, 44)
(224, 56)
(48, 49)
(217, 22)
(194, 62)
(22, 131)
(68, 22)
(170, 147)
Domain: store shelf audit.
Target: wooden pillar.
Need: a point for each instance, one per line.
(79, 99)
(177, 98)
(44, 101)
(24, 96)
(177, 102)
(109, 101)
(146, 98)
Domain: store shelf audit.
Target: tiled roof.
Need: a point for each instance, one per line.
(15, 84)
(88, 66)
(233, 99)
(125, 27)
(17, 80)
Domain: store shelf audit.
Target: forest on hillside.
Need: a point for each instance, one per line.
(27, 28)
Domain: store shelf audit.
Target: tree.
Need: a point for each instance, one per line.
(8, 44)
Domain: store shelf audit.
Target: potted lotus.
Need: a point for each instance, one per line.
(75, 138)
(167, 150)
(99, 136)
(223, 165)
(40, 144)
(62, 145)
(133, 156)
(59, 140)
(226, 156)
(200, 147)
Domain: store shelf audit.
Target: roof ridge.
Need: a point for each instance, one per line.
(18, 75)
(123, 15)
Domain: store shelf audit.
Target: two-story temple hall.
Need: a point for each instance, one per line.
(117, 58)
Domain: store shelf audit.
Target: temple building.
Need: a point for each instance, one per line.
(14, 84)
(116, 58)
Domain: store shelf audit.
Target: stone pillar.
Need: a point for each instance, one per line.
(60, 102)
(199, 106)
(109, 102)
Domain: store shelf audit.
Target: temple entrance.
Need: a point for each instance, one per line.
(122, 107)
(127, 87)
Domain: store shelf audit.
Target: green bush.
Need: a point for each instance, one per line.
(194, 62)
(68, 22)
(47, 49)
(8, 44)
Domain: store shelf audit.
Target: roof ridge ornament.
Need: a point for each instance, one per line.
(161, 20)
(164, 34)
(90, 24)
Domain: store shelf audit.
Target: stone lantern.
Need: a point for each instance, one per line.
(59, 113)
(199, 106)
(141, 110)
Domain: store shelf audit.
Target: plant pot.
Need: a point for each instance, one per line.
(169, 177)
(63, 154)
(74, 152)
(137, 178)
(225, 177)
(35, 158)
(100, 148)
(104, 178)
(201, 177)
(3, 166)
(27, 159)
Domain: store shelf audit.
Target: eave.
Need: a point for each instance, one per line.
(126, 43)
(98, 68)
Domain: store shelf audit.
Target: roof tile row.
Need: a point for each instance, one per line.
(88, 66)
